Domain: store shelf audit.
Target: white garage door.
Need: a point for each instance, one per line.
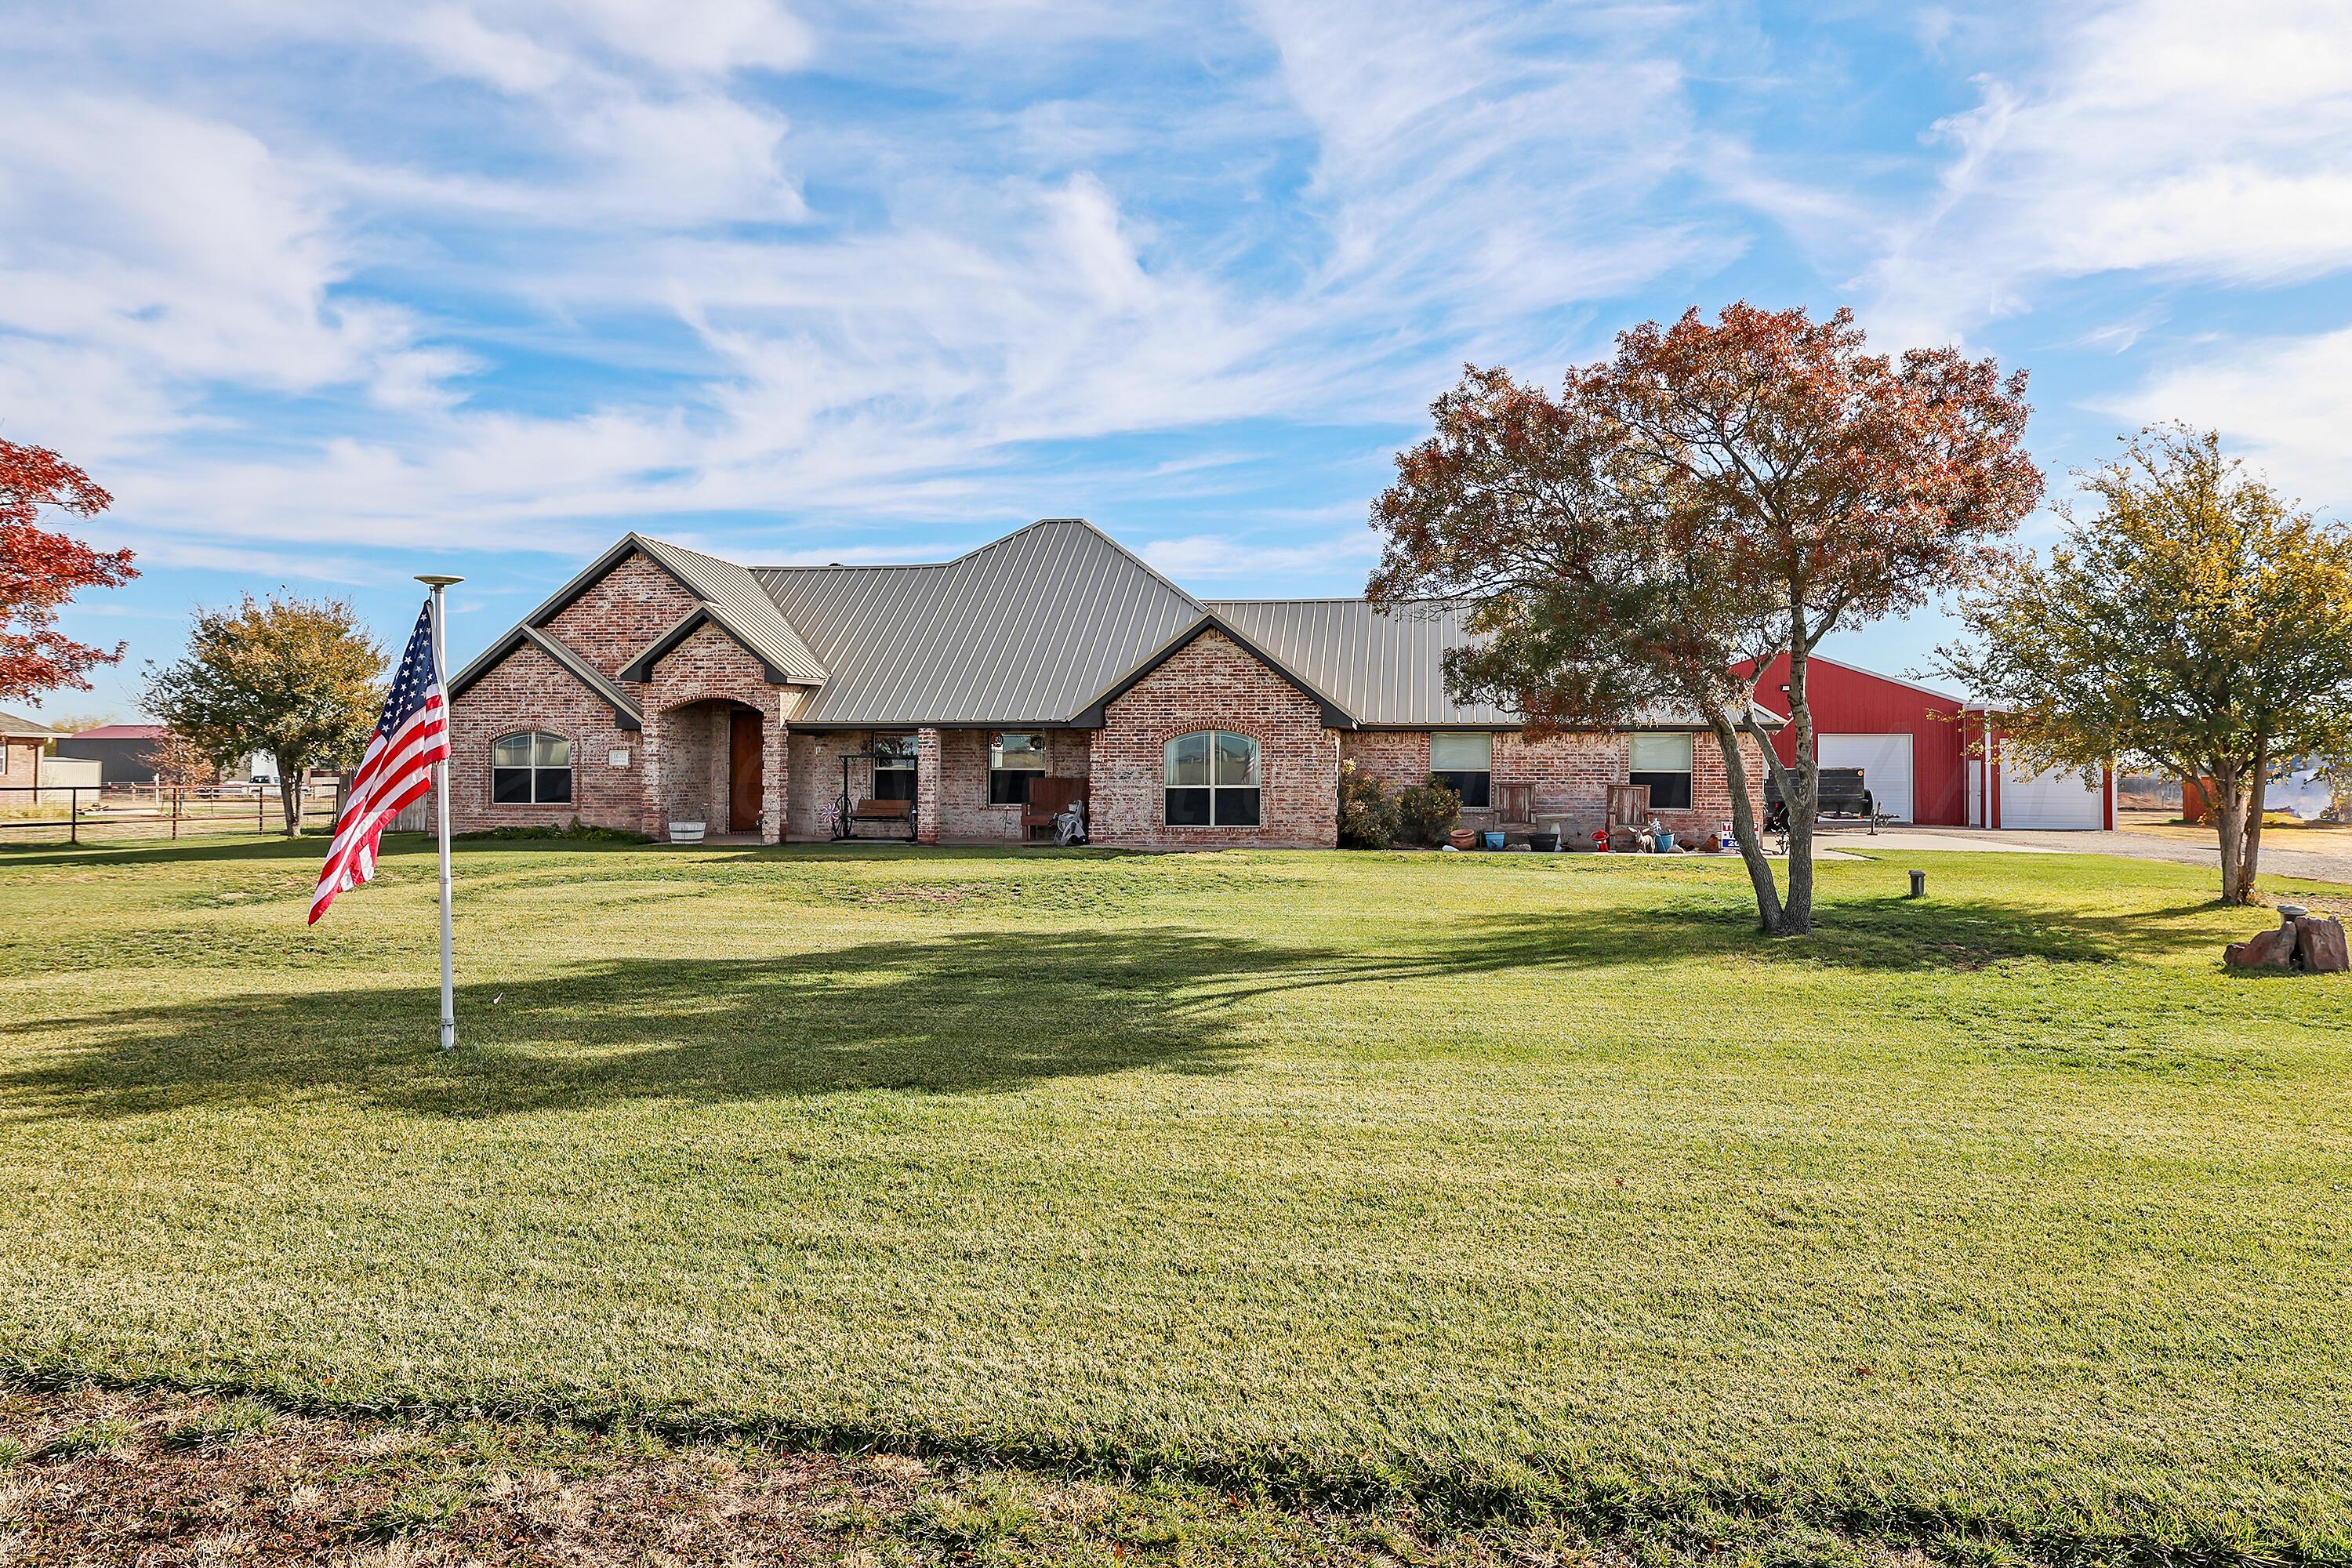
(1885, 764)
(2063, 798)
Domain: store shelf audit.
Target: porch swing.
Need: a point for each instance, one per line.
(861, 806)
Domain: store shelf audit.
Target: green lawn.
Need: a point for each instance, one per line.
(2004, 1220)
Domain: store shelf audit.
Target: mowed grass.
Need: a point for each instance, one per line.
(2002, 1222)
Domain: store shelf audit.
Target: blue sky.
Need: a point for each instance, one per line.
(328, 294)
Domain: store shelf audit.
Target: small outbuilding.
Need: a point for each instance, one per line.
(22, 740)
(124, 752)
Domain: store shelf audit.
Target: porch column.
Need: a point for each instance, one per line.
(653, 807)
(775, 778)
(927, 786)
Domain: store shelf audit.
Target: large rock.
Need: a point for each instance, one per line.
(2273, 949)
(2309, 942)
(2319, 945)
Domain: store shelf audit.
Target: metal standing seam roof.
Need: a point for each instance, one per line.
(19, 727)
(1383, 669)
(1388, 668)
(1028, 629)
(1032, 629)
(742, 606)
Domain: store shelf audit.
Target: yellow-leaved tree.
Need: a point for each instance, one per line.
(300, 678)
(2194, 621)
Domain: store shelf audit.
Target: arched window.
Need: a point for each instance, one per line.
(530, 769)
(1212, 781)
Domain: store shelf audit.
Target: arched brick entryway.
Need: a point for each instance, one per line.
(706, 761)
(692, 732)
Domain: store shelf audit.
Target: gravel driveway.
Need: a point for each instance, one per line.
(2330, 865)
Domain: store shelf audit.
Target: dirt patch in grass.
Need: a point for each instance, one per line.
(170, 1478)
(942, 895)
(166, 1479)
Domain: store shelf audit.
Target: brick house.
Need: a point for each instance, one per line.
(22, 742)
(662, 684)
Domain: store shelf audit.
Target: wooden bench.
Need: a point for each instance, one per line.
(885, 811)
(1048, 798)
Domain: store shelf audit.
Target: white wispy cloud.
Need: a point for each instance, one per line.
(2281, 402)
(321, 275)
(1223, 556)
(1467, 167)
(2171, 137)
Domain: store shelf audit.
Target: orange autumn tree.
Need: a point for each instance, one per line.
(1717, 490)
(41, 570)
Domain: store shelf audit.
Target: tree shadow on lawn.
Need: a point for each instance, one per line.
(950, 1013)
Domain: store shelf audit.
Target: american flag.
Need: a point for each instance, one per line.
(396, 769)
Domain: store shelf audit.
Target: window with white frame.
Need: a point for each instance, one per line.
(1213, 780)
(1014, 759)
(533, 768)
(894, 767)
(1664, 762)
(1466, 765)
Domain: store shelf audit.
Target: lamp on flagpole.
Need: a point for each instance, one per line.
(438, 581)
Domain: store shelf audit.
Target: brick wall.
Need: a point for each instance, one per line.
(1572, 774)
(1398, 758)
(962, 801)
(20, 762)
(690, 781)
(926, 785)
(620, 616)
(529, 690)
(694, 689)
(1212, 684)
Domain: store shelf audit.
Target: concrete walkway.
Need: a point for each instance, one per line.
(2331, 865)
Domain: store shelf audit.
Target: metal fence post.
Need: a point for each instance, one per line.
(73, 812)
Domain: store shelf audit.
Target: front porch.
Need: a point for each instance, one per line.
(963, 786)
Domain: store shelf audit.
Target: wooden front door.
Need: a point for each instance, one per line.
(744, 773)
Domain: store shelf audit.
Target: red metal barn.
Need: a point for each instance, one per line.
(1908, 739)
(2002, 796)
(1922, 755)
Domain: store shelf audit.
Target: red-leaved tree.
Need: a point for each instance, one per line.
(41, 570)
(1719, 490)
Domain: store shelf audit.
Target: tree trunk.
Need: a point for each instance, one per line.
(289, 799)
(2230, 821)
(2250, 858)
(1804, 801)
(1743, 823)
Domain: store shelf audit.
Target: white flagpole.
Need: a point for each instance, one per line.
(441, 810)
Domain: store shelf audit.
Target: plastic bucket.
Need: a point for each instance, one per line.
(1492, 839)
